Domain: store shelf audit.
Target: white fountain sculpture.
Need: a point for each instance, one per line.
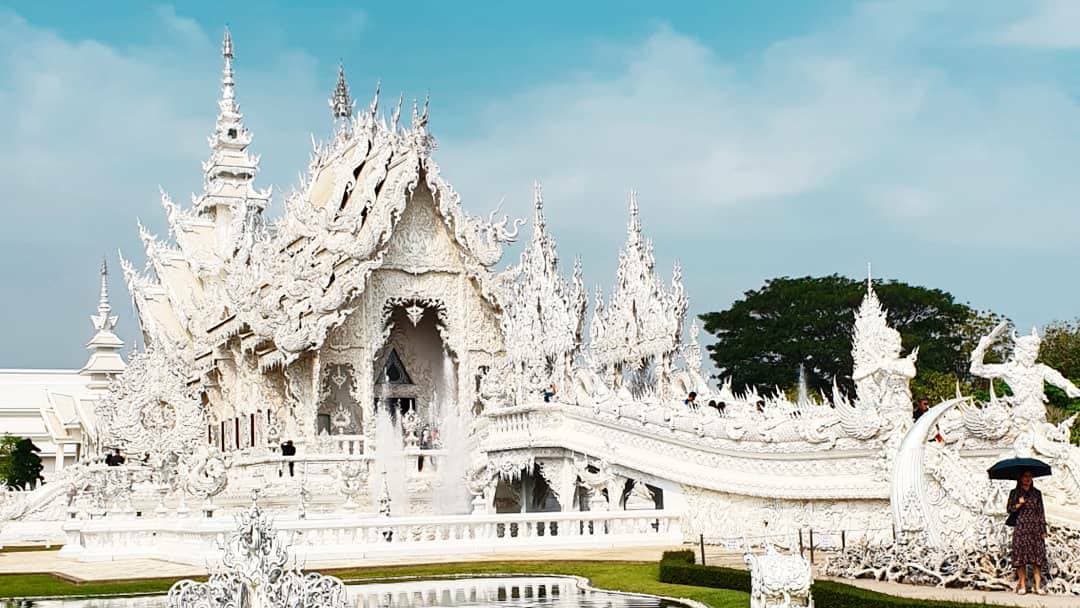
(352, 477)
(779, 581)
(389, 458)
(256, 572)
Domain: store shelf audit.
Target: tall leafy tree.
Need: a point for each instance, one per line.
(1061, 351)
(764, 337)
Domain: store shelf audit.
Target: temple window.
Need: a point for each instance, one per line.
(395, 372)
(232, 133)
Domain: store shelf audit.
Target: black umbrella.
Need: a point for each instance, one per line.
(1013, 468)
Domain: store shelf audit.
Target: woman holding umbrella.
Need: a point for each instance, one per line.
(1026, 513)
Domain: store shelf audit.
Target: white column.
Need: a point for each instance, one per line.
(59, 461)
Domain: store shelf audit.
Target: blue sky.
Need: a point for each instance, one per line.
(938, 140)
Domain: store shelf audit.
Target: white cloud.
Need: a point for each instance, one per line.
(699, 137)
(818, 156)
(1053, 24)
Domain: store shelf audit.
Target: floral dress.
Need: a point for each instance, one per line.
(1028, 545)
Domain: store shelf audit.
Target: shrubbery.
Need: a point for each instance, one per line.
(679, 567)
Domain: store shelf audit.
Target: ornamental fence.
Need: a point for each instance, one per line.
(195, 540)
(803, 540)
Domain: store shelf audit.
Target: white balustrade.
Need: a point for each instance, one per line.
(193, 541)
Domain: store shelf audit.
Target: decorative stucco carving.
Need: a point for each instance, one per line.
(150, 408)
(256, 572)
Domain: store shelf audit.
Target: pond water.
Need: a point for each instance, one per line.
(500, 592)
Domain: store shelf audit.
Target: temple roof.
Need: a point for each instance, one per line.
(285, 285)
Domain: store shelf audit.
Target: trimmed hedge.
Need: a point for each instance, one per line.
(679, 567)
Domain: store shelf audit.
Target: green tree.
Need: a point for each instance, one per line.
(763, 337)
(19, 462)
(1061, 351)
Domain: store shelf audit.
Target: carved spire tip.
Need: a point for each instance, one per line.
(227, 44)
(341, 103)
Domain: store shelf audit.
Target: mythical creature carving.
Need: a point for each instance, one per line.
(1027, 405)
(205, 474)
(1024, 375)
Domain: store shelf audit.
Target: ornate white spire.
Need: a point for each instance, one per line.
(104, 320)
(538, 211)
(341, 103)
(643, 319)
(229, 196)
(228, 84)
(105, 360)
(542, 319)
(633, 229)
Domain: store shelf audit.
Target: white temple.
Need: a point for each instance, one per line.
(438, 403)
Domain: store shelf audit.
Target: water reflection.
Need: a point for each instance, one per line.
(538, 592)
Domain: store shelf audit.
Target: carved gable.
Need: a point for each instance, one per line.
(420, 241)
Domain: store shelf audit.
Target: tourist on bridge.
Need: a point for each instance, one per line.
(549, 393)
(115, 459)
(1028, 517)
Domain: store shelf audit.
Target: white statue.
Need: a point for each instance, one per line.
(1024, 375)
(882, 377)
(256, 573)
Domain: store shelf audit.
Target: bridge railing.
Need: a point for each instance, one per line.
(194, 540)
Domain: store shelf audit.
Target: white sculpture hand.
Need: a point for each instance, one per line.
(997, 332)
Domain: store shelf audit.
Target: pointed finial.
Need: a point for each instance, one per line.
(374, 106)
(341, 104)
(226, 45)
(395, 118)
(227, 81)
(634, 227)
(538, 207)
(869, 278)
(103, 320)
(420, 119)
(103, 298)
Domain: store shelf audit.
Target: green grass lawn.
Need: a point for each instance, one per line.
(636, 577)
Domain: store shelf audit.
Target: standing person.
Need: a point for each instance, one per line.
(691, 400)
(288, 450)
(1029, 533)
(920, 409)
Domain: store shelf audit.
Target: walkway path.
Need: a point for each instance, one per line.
(50, 562)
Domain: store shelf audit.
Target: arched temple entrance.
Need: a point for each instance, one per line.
(413, 370)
